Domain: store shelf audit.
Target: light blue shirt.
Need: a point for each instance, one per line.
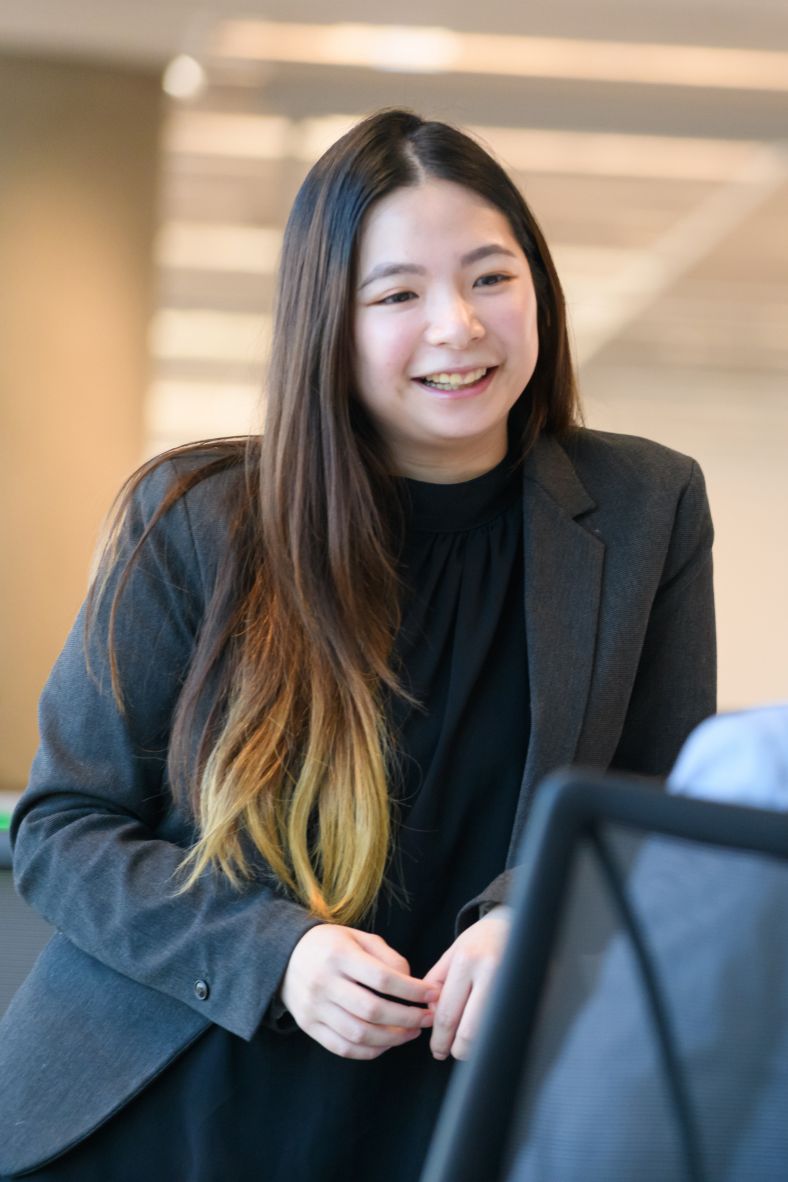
(739, 758)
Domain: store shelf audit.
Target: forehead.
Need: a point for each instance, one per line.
(435, 217)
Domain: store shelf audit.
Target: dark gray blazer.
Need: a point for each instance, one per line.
(620, 631)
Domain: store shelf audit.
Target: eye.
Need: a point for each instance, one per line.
(494, 279)
(397, 297)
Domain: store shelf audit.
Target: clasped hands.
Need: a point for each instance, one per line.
(335, 976)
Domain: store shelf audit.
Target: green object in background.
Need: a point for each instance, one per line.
(5, 821)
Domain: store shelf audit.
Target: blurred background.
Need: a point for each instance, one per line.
(149, 152)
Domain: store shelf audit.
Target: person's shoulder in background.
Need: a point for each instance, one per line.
(739, 758)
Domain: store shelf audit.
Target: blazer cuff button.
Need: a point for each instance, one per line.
(202, 990)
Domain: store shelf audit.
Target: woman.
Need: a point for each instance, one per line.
(279, 789)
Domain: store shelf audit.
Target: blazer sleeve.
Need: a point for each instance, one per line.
(675, 684)
(97, 836)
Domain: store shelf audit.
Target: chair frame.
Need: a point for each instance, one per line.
(569, 808)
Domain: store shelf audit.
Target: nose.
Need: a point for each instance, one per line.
(453, 321)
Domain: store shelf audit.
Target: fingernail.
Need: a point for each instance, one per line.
(426, 1020)
(438, 1055)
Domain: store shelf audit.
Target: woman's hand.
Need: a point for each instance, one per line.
(331, 988)
(465, 973)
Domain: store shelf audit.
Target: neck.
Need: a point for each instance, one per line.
(448, 465)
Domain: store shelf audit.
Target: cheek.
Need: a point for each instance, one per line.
(519, 328)
(381, 361)
(385, 350)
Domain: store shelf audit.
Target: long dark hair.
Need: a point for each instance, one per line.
(295, 751)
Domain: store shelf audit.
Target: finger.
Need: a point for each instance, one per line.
(448, 1014)
(379, 1011)
(376, 946)
(338, 1045)
(440, 970)
(368, 970)
(472, 1015)
(361, 1033)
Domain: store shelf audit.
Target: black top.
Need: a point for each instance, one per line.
(462, 649)
(281, 1108)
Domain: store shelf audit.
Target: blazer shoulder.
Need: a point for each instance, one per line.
(204, 477)
(630, 476)
(188, 499)
(643, 460)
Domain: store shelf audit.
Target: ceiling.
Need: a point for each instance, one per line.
(151, 31)
(148, 33)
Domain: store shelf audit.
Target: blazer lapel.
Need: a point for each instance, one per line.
(563, 580)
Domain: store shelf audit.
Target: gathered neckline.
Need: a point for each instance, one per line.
(439, 508)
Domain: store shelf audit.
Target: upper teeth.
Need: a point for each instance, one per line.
(454, 380)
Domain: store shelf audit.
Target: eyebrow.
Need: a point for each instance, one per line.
(386, 270)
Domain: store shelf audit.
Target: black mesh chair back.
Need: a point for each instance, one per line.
(638, 1031)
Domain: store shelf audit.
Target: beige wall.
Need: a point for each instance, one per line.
(78, 160)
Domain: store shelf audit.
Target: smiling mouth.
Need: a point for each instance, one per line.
(454, 381)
